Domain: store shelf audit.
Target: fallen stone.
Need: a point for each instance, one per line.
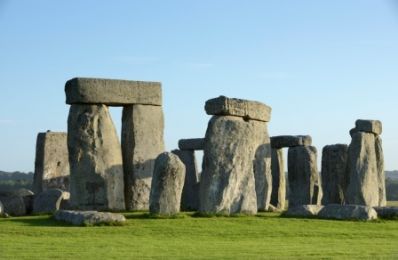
(303, 211)
(13, 205)
(112, 92)
(95, 156)
(304, 179)
(52, 162)
(167, 184)
(235, 152)
(191, 144)
(380, 172)
(48, 201)
(334, 173)
(278, 195)
(387, 212)
(363, 187)
(142, 142)
(88, 218)
(190, 192)
(282, 141)
(224, 106)
(369, 126)
(347, 212)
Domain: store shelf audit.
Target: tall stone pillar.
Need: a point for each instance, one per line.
(278, 196)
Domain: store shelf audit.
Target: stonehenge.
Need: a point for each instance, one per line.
(278, 194)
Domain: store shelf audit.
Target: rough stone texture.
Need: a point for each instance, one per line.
(278, 196)
(283, 141)
(1, 209)
(347, 212)
(236, 165)
(303, 211)
(191, 144)
(95, 157)
(48, 201)
(224, 106)
(369, 126)
(334, 173)
(304, 179)
(363, 187)
(167, 184)
(112, 92)
(380, 172)
(52, 162)
(80, 218)
(190, 192)
(387, 212)
(142, 142)
(14, 205)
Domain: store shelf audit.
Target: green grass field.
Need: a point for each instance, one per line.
(266, 236)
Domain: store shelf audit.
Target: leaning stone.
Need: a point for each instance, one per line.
(363, 187)
(167, 184)
(112, 92)
(380, 172)
(191, 144)
(334, 173)
(303, 211)
(236, 152)
(81, 218)
(369, 126)
(224, 106)
(52, 162)
(142, 142)
(190, 192)
(13, 205)
(278, 195)
(282, 141)
(387, 212)
(48, 201)
(304, 179)
(347, 212)
(95, 156)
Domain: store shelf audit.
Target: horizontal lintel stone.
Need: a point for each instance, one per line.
(370, 126)
(191, 144)
(282, 141)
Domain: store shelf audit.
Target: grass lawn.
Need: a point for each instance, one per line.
(264, 236)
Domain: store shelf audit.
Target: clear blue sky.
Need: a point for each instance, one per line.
(319, 64)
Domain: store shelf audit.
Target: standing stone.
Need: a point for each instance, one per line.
(167, 183)
(95, 157)
(380, 172)
(334, 173)
(363, 187)
(304, 179)
(190, 192)
(52, 162)
(278, 196)
(142, 142)
(235, 151)
(1, 209)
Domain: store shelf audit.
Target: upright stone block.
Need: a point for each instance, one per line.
(52, 162)
(112, 92)
(278, 196)
(95, 157)
(304, 180)
(142, 142)
(282, 141)
(334, 173)
(190, 192)
(191, 144)
(380, 172)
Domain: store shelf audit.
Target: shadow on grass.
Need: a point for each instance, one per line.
(38, 221)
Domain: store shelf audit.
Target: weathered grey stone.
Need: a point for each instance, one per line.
(303, 211)
(95, 157)
(278, 196)
(52, 162)
(26, 195)
(387, 212)
(112, 92)
(48, 201)
(347, 212)
(190, 192)
(236, 165)
(363, 187)
(369, 126)
(14, 205)
(1, 209)
(334, 173)
(80, 218)
(142, 142)
(167, 184)
(191, 144)
(224, 106)
(380, 172)
(282, 141)
(304, 179)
